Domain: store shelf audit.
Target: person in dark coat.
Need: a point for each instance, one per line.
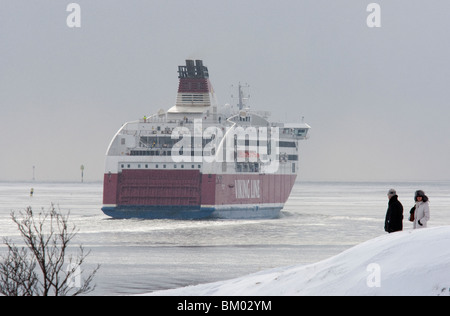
(394, 215)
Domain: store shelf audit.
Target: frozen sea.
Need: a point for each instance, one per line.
(321, 219)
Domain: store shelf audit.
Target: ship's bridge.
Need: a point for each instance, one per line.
(296, 130)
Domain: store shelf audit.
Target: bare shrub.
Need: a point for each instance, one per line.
(45, 266)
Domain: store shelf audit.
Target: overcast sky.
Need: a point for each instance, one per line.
(376, 98)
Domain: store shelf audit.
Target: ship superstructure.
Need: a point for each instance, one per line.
(201, 160)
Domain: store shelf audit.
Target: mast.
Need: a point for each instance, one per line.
(242, 98)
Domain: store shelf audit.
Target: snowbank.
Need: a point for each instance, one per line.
(406, 263)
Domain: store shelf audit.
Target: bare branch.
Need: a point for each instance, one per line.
(43, 266)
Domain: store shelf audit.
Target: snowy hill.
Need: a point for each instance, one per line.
(406, 263)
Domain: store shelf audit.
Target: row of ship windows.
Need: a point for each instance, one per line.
(146, 166)
(240, 167)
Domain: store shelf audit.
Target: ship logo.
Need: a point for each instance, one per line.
(248, 189)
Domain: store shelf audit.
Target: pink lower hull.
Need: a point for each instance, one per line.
(192, 190)
(173, 187)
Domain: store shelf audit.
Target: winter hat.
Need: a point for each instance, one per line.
(422, 195)
(392, 192)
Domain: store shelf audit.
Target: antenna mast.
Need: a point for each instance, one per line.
(242, 98)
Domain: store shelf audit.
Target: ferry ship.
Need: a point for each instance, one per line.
(200, 160)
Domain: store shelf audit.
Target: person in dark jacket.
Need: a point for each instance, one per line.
(394, 215)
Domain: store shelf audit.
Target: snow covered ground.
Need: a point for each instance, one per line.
(405, 263)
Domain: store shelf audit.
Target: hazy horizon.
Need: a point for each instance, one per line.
(376, 98)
